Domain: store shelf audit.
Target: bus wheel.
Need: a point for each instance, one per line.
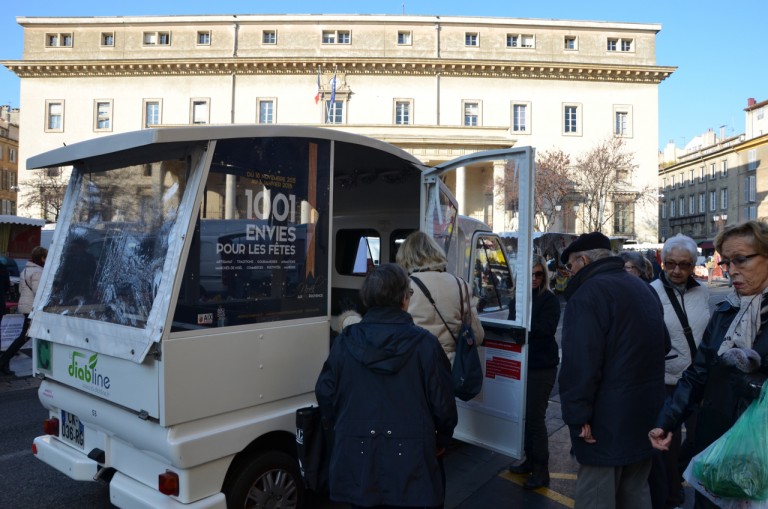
(267, 481)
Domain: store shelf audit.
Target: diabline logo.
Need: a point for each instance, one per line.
(87, 371)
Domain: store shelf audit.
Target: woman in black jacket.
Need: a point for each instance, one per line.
(543, 358)
(386, 387)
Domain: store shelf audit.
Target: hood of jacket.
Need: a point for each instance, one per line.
(609, 264)
(383, 345)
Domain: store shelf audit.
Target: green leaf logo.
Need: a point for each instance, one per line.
(92, 361)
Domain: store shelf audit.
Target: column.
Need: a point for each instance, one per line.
(499, 196)
(461, 189)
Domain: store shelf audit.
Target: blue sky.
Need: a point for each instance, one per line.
(717, 46)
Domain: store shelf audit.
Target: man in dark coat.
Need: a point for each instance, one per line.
(612, 374)
(386, 387)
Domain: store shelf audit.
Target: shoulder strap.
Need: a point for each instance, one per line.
(683, 319)
(428, 295)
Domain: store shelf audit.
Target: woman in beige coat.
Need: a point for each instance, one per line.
(425, 260)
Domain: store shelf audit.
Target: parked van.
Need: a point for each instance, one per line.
(187, 304)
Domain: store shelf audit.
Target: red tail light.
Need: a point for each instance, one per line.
(168, 483)
(51, 426)
(34, 448)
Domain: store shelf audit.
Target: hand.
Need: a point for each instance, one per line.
(660, 439)
(586, 434)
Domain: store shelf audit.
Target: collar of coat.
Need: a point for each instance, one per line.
(603, 265)
(689, 283)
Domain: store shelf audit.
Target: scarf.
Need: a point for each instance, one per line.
(744, 328)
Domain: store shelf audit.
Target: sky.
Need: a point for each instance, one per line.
(717, 47)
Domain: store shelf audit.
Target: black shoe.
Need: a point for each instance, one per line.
(538, 479)
(526, 467)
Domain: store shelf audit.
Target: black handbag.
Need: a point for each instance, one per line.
(314, 439)
(467, 370)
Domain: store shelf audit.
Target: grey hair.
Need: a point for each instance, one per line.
(596, 254)
(636, 259)
(682, 242)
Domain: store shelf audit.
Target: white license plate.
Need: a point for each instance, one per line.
(72, 430)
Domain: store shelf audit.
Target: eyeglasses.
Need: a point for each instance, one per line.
(737, 261)
(670, 265)
(538, 273)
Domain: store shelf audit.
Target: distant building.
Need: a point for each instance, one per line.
(439, 87)
(716, 181)
(9, 159)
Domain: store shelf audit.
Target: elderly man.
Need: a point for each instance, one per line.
(686, 313)
(612, 374)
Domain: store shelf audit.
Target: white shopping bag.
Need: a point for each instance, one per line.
(10, 328)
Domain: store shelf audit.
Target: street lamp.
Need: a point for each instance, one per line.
(558, 208)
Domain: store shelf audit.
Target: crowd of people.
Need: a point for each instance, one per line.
(641, 361)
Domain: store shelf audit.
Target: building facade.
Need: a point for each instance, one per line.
(9, 161)
(716, 181)
(439, 87)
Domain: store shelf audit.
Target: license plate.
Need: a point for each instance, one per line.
(72, 430)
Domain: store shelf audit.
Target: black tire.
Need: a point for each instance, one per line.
(270, 480)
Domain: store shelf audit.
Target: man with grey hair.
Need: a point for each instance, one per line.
(686, 314)
(612, 374)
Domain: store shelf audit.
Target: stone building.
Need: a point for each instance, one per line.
(439, 87)
(9, 160)
(716, 181)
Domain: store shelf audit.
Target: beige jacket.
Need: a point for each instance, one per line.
(445, 292)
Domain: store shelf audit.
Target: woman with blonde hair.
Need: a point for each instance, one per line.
(426, 263)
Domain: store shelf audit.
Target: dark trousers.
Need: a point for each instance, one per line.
(671, 458)
(5, 358)
(540, 383)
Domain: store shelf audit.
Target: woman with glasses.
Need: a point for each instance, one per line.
(732, 360)
(637, 265)
(686, 313)
(543, 358)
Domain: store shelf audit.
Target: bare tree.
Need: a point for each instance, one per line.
(603, 177)
(45, 191)
(553, 183)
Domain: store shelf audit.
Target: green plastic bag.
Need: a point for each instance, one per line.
(736, 464)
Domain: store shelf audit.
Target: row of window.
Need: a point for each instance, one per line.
(404, 38)
(334, 113)
(679, 180)
(11, 154)
(677, 207)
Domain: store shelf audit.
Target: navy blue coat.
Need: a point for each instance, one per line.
(387, 387)
(612, 373)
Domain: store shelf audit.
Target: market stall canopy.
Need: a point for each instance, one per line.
(28, 221)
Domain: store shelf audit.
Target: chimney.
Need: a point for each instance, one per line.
(751, 102)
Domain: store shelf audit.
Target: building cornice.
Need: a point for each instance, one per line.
(357, 19)
(414, 67)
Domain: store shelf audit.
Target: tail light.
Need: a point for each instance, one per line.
(168, 483)
(51, 426)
